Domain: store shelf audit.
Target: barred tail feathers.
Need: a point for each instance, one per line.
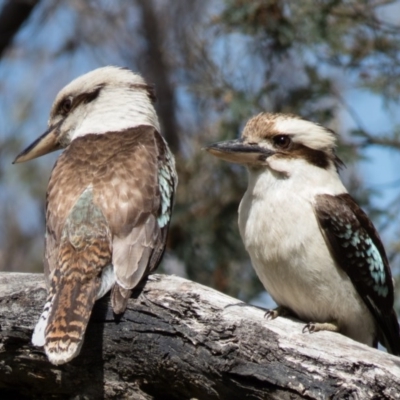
(38, 336)
(70, 312)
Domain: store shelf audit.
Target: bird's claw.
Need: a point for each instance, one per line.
(271, 314)
(280, 311)
(310, 328)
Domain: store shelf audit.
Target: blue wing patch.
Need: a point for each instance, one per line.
(361, 251)
(357, 249)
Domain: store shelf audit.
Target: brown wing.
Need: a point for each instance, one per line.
(139, 242)
(123, 170)
(358, 250)
(140, 231)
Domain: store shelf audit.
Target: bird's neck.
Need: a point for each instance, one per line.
(304, 180)
(118, 110)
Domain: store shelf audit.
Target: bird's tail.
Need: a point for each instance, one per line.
(38, 337)
(390, 333)
(62, 325)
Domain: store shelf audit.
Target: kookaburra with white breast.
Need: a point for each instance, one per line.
(109, 201)
(315, 251)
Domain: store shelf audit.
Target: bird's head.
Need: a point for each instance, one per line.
(108, 99)
(281, 142)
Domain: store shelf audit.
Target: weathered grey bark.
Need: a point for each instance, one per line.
(181, 340)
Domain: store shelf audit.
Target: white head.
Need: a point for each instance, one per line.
(108, 99)
(284, 143)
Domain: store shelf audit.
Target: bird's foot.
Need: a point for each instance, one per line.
(279, 311)
(312, 327)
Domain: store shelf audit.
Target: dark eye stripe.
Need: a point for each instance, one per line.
(69, 103)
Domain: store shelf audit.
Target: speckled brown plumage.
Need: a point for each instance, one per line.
(118, 172)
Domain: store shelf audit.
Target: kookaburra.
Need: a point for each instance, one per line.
(109, 201)
(313, 248)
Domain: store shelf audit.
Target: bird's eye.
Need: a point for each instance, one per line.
(66, 106)
(282, 141)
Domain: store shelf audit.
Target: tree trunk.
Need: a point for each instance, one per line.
(157, 72)
(12, 16)
(181, 340)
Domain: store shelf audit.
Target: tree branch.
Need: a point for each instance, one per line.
(13, 14)
(158, 69)
(181, 340)
(384, 141)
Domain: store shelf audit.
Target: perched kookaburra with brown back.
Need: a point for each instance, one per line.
(109, 201)
(316, 252)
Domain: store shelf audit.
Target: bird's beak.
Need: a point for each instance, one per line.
(239, 152)
(41, 146)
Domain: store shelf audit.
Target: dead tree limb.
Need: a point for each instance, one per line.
(181, 340)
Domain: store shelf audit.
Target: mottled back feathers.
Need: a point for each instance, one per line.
(104, 204)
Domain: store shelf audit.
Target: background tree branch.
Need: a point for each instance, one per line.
(181, 340)
(158, 69)
(13, 14)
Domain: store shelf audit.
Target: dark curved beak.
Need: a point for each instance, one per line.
(45, 144)
(239, 152)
